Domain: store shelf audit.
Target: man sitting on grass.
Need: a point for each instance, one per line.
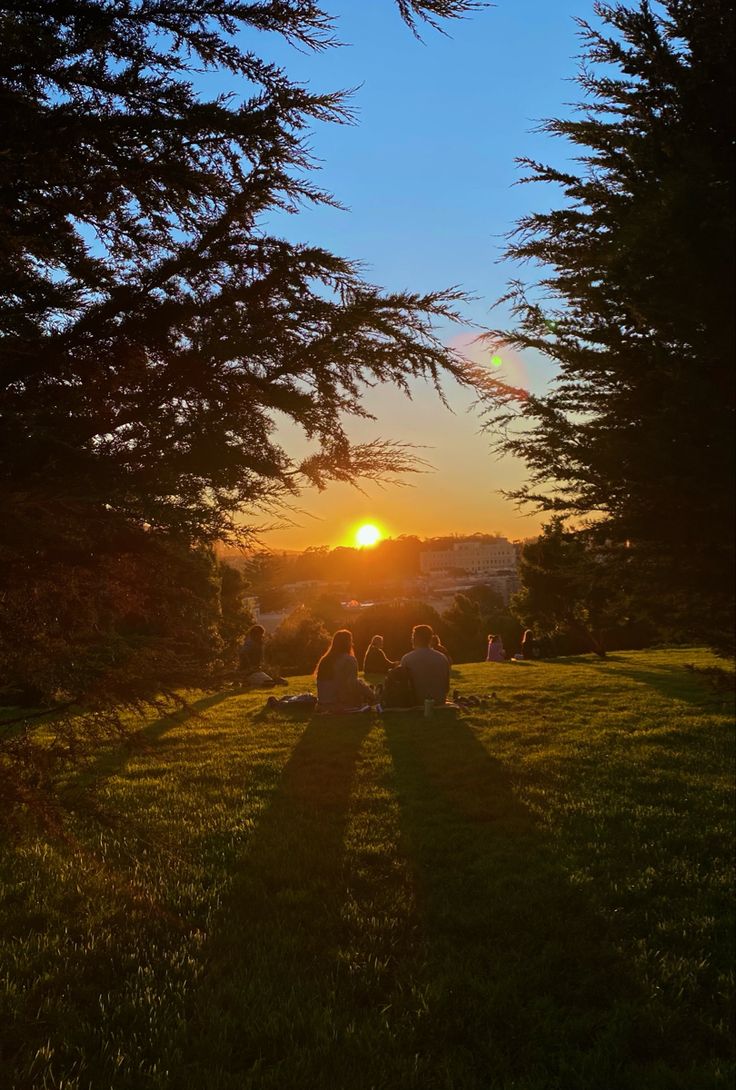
(429, 669)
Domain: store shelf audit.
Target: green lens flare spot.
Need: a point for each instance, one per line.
(496, 361)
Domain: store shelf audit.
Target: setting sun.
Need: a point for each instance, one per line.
(368, 534)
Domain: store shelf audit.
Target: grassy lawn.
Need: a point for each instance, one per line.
(532, 896)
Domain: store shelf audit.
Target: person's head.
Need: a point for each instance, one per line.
(377, 641)
(256, 632)
(421, 635)
(528, 635)
(341, 644)
(493, 639)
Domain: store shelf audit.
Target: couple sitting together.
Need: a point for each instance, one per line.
(425, 670)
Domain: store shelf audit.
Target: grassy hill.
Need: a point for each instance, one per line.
(534, 895)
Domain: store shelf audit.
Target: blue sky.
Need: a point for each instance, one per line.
(428, 176)
(428, 171)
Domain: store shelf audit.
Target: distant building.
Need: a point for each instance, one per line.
(479, 558)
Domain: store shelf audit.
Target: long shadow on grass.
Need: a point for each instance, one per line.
(268, 995)
(115, 760)
(522, 984)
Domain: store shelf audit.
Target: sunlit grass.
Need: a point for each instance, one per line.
(535, 895)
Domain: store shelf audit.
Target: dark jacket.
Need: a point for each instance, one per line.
(375, 662)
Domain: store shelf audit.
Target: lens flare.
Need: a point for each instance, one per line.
(503, 362)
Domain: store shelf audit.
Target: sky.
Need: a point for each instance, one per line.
(428, 176)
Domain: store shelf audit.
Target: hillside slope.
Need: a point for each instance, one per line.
(535, 895)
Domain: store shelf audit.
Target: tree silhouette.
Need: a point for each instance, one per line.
(635, 307)
(152, 326)
(154, 330)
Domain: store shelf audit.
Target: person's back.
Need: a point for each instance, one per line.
(251, 651)
(375, 661)
(495, 651)
(529, 646)
(335, 684)
(429, 669)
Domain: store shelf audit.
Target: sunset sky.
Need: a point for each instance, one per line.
(428, 176)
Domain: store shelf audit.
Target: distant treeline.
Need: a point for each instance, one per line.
(368, 573)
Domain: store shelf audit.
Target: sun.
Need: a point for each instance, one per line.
(367, 534)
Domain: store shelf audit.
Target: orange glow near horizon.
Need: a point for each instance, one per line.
(367, 535)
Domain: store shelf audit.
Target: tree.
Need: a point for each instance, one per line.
(153, 329)
(496, 616)
(636, 435)
(235, 618)
(151, 326)
(298, 643)
(566, 589)
(394, 621)
(465, 630)
(573, 594)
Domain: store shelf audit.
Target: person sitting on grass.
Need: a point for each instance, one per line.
(375, 663)
(338, 686)
(529, 645)
(429, 669)
(251, 661)
(495, 651)
(436, 643)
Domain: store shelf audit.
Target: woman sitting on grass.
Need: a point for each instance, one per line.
(375, 664)
(529, 645)
(338, 685)
(496, 652)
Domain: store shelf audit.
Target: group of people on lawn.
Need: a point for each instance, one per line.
(338, 684)
(424, 672)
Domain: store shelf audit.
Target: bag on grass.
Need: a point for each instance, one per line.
(398, 689)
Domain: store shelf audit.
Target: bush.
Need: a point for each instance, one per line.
(394, 623)
(297, 644)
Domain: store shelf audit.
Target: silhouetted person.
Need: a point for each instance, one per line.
(251, 660)
(338, 684)
(251, 650)
(429, 669)
(529, 646)
(375, 663)
(437, 646)
(495, 651)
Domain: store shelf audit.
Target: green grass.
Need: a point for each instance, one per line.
(529, 897)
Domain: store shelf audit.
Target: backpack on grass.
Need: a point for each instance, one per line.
(398, 689)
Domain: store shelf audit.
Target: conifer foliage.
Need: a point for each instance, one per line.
(635, 305)
(154, 330)
(152, 326)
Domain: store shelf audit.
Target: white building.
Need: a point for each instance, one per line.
(479, 558)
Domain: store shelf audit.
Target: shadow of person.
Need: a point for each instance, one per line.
(113, 761)
(520, 977)
(270, 963)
